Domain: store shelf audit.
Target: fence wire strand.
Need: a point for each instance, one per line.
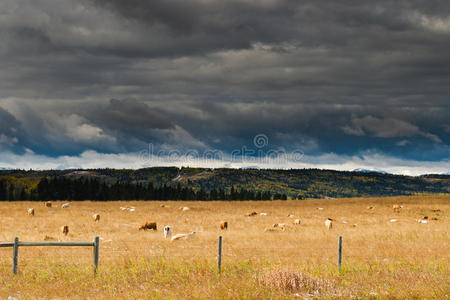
(127, 249)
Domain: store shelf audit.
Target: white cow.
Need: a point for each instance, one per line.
(65, 205)
(329, 223)
(167, 232)
(31, 211)
(183, 236)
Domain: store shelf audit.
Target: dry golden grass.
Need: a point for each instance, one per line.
(381, 259)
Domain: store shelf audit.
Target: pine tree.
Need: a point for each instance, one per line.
(11, 194)
(2, 190)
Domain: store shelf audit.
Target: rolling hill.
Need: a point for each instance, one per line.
(295, 183)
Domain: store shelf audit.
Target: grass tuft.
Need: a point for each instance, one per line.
(294, 282)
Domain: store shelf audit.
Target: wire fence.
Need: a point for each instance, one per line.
(383, 251)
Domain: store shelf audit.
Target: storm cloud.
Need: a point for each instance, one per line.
(327, 77)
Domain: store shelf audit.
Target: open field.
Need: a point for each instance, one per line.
(381, 259)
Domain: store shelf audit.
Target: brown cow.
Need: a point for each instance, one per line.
(31, 212)
(48, 204)
(397, 208)
(65, 229)
(96, 217)
(272, 229)
(224, 225)
(49, 238)
(148, 226)
(254, 213)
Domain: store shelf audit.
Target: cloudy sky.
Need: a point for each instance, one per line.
(132, 83)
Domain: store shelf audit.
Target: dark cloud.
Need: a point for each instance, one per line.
(134, 124)
(328, 76)
(319, 129)
(130, 115)
(11, 132)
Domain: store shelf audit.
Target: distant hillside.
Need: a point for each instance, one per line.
(298, 183)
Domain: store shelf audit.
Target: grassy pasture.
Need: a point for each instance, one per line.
(381, 259)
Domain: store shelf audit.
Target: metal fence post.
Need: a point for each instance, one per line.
(96, 253)
(340, 252)
(15, 254)
(219, 257)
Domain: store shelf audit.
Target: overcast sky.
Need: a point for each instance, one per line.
(132, 83)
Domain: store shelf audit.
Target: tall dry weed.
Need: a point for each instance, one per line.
(294, 282)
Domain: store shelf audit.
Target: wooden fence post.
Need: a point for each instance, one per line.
(96, 253)
(16, 243)
(219, 257)
(15, 254)
(340, 252)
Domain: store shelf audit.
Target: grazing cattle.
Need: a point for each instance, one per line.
(128, 208)
(434, 218)
(167, 232)
(329, 223)
(183, 236)
(48, 204)
(49, 238)
(277, 227)
(224, 225)
(370, 207)
(397, 208)
(96, 217)
(280, 226)
(290, 216)
(148, 226)
(251, 214)
(297, 222)
(65, 229)
(65, 205)
(31, 212)
(435, 210)
(185, 208)
(320, 208)
(271, 229)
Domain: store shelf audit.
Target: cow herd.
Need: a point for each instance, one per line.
(168, 234)
(144, 226)
(167, 231)
(64, 228)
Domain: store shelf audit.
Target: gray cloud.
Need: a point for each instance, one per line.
(329, 76)
(386, 128)
(130, 115)
(385, 53)
(11, 133)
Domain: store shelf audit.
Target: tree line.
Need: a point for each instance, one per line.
(62, 188)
